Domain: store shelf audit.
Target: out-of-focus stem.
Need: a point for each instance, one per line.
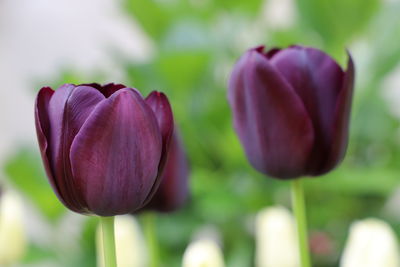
(299, 209)
(107, 229)
(149, 220)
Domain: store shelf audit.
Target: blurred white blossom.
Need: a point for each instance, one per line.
(12, 230)
(371, 243)
(391, 91)
(203, 253)
(278, 14)
(276, 238)
(130, 247)
(391, 208)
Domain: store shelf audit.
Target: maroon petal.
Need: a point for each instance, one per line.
(159, 103)
(107, 89)
(56, 108)
(79, 106)
(56, 118)
(68, 109)
(173, 190)
(42, 124)
(270, 53)
(317, 79)
(116, 153)
(269, 117)
(111, 88)
(341, 119)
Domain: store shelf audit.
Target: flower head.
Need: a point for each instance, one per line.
(291, 110)
(103, 147)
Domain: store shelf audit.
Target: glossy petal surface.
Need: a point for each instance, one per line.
(341, 118)
(159, 103)
(269, 117)
(42, 124)
(305, 98)
(115, 155)
(68, 109)
(173, 190)
(108, 89)
(317, 79)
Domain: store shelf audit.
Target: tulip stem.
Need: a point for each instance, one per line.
(107, 229)
(299, 209)
(149, 220)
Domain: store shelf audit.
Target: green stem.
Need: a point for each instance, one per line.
(149, 220)
(299, 208)
(107, 229)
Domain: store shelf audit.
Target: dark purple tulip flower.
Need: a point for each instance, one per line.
(173, 190)
(103, 147)
(291, 110)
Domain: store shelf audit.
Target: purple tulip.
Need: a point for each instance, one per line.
(103, 147)
(291, 110)
(173, 190)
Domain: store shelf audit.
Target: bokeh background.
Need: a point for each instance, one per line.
(186, 48)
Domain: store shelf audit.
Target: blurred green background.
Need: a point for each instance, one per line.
(196, 43)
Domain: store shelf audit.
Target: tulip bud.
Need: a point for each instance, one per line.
(371, 243)
(291, 110)
(130, 246)
(103, 147)
(276, 239)
(12, 229)
(203, 253)
(173, 190)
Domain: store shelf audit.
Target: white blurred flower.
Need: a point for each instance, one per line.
(203, 253)
(391, 208)
(278, 14)
(371, 243)
(12, 230)
(391, 91)
(130, 246)
(276, 238)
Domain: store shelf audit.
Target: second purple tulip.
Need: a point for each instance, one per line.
(291, 110)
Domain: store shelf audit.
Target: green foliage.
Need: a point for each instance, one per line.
(154, 17)
(339, 21)
(25, 171)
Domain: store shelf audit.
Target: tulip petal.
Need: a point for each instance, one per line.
(80, 104)
(159, 103)
(317, 79)
(107, 89)
(55, 113)
(56, 118)
(42, 124)
(70, 107)
(173, 190)
(116, 154)
(269, 117)
(341, 118)
(270, 53)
